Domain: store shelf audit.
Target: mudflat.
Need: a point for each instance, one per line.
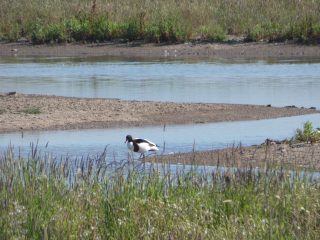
(266, 155)
(257, 50)
(41, 112)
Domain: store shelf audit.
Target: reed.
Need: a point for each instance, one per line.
(45, 197)
(159, 21)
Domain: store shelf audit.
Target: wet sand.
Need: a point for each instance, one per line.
(41, 112)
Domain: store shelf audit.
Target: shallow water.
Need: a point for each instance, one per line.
(279, 83)
(179, 138)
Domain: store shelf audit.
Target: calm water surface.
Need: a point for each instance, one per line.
(180, 138)
(278, 83)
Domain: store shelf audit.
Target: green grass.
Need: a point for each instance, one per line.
(159, 21)
(31, 110)
(46, 198)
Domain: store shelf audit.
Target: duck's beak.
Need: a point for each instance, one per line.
(125, 141)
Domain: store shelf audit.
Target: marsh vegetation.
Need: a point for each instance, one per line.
(45, 197)
(159, 21)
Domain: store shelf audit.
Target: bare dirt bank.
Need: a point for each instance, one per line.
(186, 50)
(40, 112)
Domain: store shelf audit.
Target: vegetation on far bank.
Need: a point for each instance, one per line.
(159, 21)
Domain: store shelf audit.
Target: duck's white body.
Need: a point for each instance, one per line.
(143, 146)
(140, 145)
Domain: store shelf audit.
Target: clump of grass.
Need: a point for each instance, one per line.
(213, 33)
(31, 110)
(161, 21)
(45, 197)
(307, 134)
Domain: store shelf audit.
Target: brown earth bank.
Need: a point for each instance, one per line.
(185, 50)
(267, 155)
(40, 112)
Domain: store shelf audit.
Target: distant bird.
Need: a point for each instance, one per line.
(140, 145)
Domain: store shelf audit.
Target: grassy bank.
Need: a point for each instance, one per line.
(159, 21)
(46, 198)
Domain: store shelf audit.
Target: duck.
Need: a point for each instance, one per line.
(141, 145)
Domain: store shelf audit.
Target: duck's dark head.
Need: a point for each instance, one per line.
(128, 138)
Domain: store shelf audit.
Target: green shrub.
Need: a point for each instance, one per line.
(131, 31)
(152, 32)
(100, 29)
(54, 32)
(78, 28)
(115, 30)
(307, 134)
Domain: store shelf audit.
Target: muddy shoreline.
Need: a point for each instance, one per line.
(264, 156)
(257, 50)
(41, 112)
